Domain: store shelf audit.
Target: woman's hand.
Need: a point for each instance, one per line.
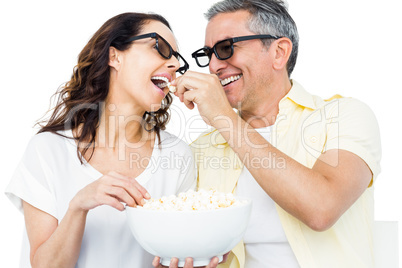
(111, 189)
(47, 236)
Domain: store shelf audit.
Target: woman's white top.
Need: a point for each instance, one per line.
(265, 240)
(50, 174)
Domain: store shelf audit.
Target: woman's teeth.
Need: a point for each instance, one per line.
(228, 80)
(160, 81)
(165, 83)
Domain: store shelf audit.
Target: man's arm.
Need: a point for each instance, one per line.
(316, 196)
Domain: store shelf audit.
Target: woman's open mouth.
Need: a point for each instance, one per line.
(160, 81)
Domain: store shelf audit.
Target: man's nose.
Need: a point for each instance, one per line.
(215, 65)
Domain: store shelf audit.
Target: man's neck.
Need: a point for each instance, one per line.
(264, 114)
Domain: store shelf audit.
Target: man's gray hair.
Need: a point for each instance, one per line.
(267, 17)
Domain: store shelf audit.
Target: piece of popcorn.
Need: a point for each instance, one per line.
(191, 200)
(171, 88)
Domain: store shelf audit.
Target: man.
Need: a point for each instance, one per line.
(308, 164)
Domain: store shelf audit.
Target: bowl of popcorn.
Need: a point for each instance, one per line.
(200, 225)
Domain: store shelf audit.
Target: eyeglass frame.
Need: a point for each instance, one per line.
(155, 35)
(232, 40)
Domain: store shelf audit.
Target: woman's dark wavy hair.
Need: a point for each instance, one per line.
(80, 100)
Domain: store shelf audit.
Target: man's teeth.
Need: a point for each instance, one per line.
(226, 81)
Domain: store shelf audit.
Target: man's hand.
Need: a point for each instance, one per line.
(206, 91)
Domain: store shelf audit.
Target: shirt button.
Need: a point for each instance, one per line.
(313, 139)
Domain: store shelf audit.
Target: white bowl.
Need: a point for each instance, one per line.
(197, 234)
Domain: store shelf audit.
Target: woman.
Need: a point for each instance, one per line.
(101, 148)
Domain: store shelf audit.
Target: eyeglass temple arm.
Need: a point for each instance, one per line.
(138, 37)
(198, 54)
(250, 37)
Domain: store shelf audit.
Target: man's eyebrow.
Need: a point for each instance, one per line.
(225, 38)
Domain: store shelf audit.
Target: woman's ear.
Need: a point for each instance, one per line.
(283, 49)
(114, 58)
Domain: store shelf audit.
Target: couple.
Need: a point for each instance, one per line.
(307, 163)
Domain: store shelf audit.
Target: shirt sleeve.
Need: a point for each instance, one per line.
(353, 127)
(31, 179)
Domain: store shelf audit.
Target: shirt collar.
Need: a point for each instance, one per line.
(300, 96)
(297, 94)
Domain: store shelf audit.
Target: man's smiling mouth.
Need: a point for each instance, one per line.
(230, 79)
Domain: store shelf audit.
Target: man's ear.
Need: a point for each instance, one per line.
(114, 58)
(283, 49)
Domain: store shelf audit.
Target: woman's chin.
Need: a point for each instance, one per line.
(154, 107)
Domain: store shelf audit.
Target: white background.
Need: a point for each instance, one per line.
(350, 47)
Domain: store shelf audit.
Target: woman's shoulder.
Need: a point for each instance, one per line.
(44, 138)
(46, 142)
